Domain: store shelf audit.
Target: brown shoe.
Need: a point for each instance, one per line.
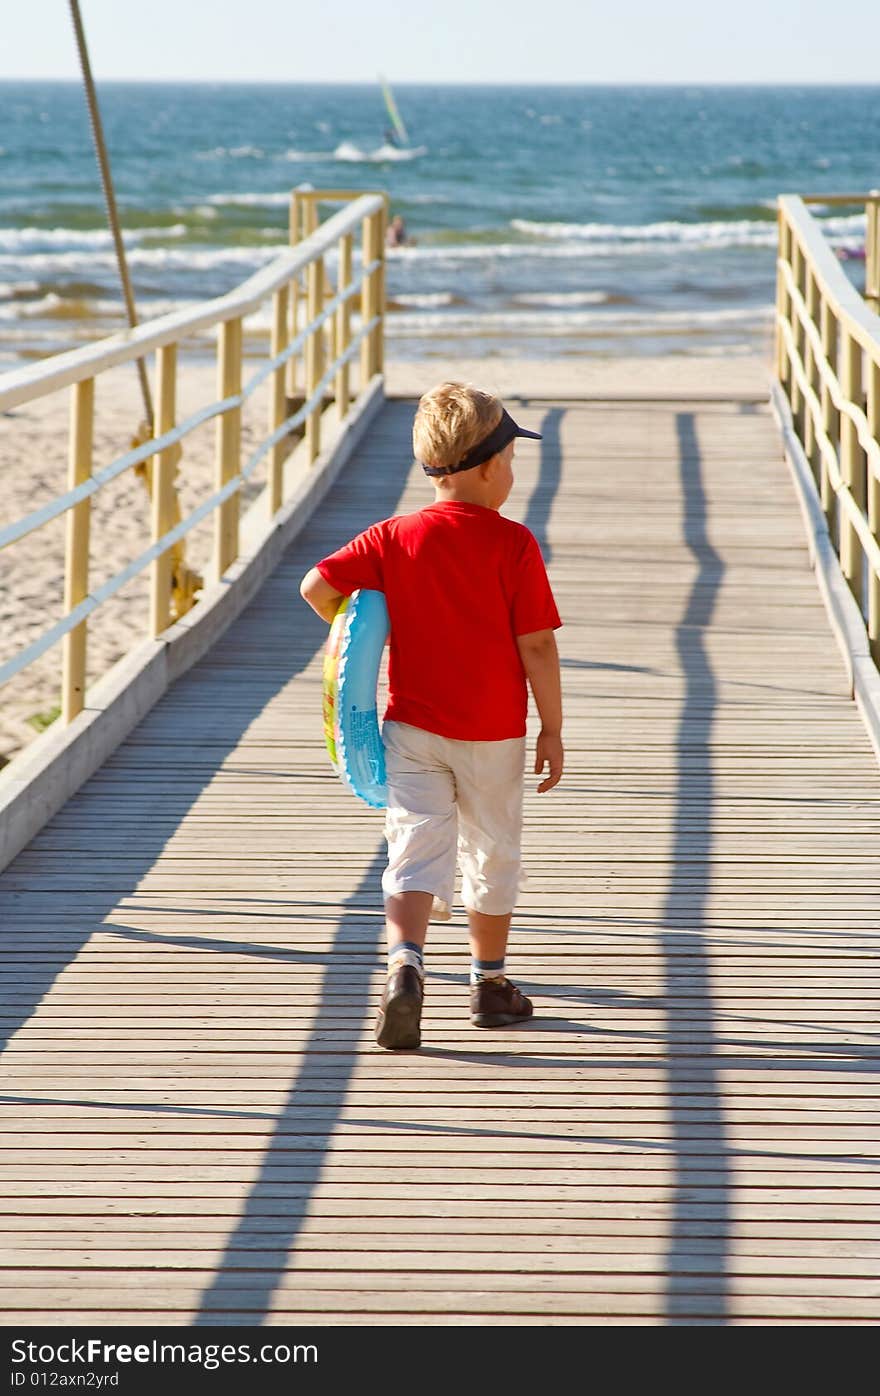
(497, 1002)
(398, 1023)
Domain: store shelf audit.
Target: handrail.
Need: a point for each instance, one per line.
(75, 365)
(828, 366)
(323, 338)
(862, 322)
(22, 527)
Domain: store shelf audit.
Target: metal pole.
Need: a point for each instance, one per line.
(109, 197)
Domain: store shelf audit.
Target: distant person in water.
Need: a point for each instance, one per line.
(396, 234)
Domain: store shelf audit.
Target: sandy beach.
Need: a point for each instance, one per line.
(33, 451)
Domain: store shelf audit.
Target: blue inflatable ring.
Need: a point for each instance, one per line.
(351, 672)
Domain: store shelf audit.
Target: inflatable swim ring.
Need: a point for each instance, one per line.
(351, 671)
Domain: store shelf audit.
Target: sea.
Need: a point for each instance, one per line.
(541, 221)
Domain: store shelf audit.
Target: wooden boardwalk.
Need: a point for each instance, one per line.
(197, 1127)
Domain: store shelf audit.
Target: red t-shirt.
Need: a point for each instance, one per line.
(461, 582)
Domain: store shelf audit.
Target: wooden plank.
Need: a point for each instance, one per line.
(192, 1095)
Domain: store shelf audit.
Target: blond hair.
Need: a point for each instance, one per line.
(452, 418)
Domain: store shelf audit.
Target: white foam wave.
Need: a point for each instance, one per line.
(307, 156)
(427, 301)
(194, 257)
(348, 152)
(29, 310)
(71, 239)
(55, 307)
(275, 199)
(36, 240)
(15, 289)
(745, 231)
(234, 152)
(447, 254)
(620, 322)
(560, 298)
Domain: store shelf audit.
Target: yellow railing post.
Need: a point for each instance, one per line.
(382, 230)
(783, 309)
(872, 251)
(162, 510)
(797, 330)
(830, 415)
(873, 413)
(228, 450)
(852, 465)
(314, 358)
(343, 325)
(294, 237)
(368, 301)
(76, 569)
(277, 401)
(812, 301)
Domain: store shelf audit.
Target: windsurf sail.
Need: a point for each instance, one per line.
(394, 114)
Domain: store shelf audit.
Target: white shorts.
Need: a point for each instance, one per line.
(447, 797)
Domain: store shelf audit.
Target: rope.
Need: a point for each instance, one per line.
(109, 197)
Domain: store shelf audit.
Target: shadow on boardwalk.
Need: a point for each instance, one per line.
(353, 976)
(684, 951)
(67, 917)
(542, 498)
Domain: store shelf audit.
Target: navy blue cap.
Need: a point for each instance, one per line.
(498, 438)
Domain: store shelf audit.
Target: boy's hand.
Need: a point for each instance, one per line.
(548, 752)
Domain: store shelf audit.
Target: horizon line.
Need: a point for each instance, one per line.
(75, 79)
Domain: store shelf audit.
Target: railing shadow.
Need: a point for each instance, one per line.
(63, 918)
(288, 1203)
(684, 917)
(542, 497)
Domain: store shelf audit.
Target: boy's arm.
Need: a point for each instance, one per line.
(540, 659)
(321, 596)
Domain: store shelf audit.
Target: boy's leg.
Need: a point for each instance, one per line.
(495, 1002)
(420, 827)
(406, 917)
(490, 788)
(488, 936)
(400, 1011)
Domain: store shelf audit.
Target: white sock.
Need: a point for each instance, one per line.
(485, 970)
(405, 952)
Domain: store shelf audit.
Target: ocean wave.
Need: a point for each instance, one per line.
(297, 157)
(451, 254)
(66, 307)
(194, 257)
(50, 307)
(620, 322)
(720, 232)
(71, 239)
(427, 300)
(276, 199)
(35, 240)
(234, 152)
(350, 153)
(14, 290)
(560, 298)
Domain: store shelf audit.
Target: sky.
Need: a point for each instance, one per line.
(518, 41)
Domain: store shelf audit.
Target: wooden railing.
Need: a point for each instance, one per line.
(828, 365)
(309, 326)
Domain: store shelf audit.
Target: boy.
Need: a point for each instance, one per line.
(472, 618)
